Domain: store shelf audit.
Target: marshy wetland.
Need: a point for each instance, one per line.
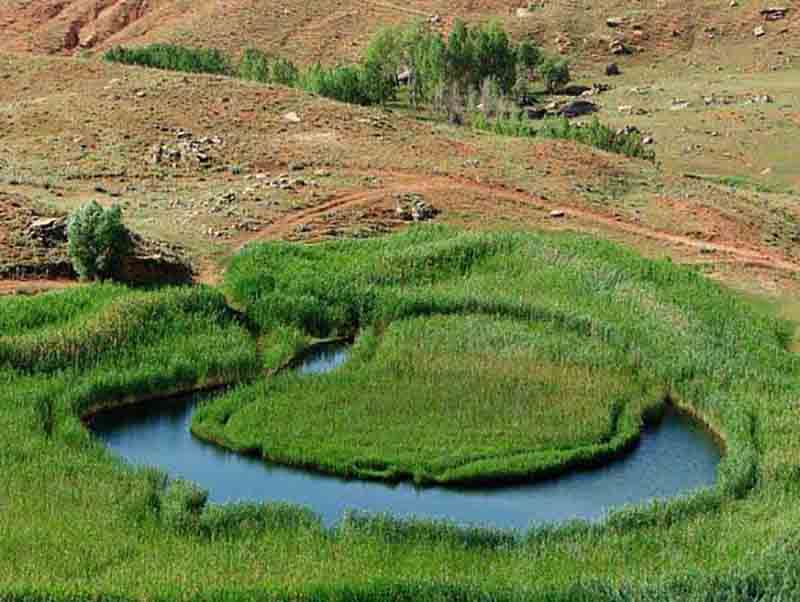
(481, 359)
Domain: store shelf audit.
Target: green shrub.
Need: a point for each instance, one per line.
(255, 66)
(259, 66)
(97, 240)
(593, 134)
(181, 506)
(173, 58)
(284, 72)
(555, 73)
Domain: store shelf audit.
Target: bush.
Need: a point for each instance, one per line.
(97, 240)
(181, 506)
(284, 72)
(344, 83)
(173, 58)
(259, 66)
(255, 66)
(593, 134)
(555, 73)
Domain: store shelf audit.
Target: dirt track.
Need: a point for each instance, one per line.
(397, 182)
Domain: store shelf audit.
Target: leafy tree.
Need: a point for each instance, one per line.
(459, 56)
(494, 57)
(555, 73)
(529, 56)
(97, 240)
(381, 63)
(423, 53)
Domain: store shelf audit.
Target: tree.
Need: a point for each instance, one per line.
(459, 57)
(97, 240)
(555, 73)
(494, 57)
(423, 54)
(381, 64)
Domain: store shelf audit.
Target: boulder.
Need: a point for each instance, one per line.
(578, 108)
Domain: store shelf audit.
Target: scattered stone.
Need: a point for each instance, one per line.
(648, 140)
(679, 104)
(759, 31)
(292, 117)
(612, 70)
(412, 206)
(615, 22)
(558, 213)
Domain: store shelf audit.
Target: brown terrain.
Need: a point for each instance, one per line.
(210, 163)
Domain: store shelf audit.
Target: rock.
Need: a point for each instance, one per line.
(679, 104)
(618, 47)
(48, 231)
(413, 207)
(774, 13)
(759, 31)
(578, 108)
(558, 213)
(404, 77)
(648, 140)
(574, 90)
(615, 22)
(292, 117)
(534, 113)
(612, 70)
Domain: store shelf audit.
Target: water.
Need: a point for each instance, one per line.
(673, 459)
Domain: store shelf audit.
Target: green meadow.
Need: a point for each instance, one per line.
(478, 358)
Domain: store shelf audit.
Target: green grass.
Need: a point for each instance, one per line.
(445, 399)
(76, 523)
(745, 183)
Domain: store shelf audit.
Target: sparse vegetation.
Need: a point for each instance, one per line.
(593, 134)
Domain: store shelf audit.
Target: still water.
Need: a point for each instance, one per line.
(673, 458)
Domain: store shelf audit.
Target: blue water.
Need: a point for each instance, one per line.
(672, 459)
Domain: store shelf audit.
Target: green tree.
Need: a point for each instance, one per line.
(459, 57)
(555, 73)
(381, 64)
(97, 240)
(494, 57)
(423, 53)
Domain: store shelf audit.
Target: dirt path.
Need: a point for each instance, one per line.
(397, 182)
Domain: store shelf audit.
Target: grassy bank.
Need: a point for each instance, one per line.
(79, 524)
